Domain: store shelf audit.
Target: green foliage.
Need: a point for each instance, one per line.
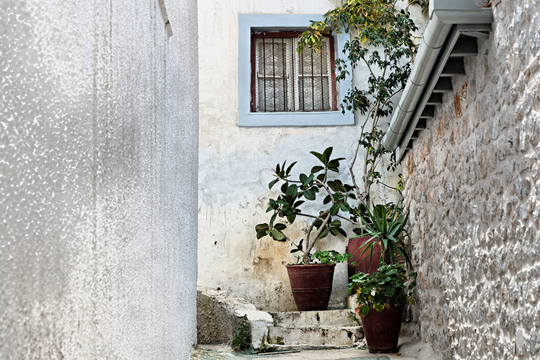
(331, 257)
(383, 41)
(387, 226)
(241, 340)
(295, 192)
(424, 4)
(389, 286)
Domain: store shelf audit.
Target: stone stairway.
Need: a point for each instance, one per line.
(219, 314)
(314, 329)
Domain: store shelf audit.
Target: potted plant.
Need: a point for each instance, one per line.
(359, 261)
(386, 236)
(380, 300)
(381, 295)
(311, 284)
(311, 278)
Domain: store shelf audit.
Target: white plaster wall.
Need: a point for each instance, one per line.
(98, 176)
(235, 165)
(472, 181)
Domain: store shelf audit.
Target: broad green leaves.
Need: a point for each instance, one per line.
(277, 235)
(363, 310)
(281, 172)
(293, 192)
(262, 230)
(324, 158)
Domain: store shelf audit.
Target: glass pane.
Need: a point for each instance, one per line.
(314, 84)
(274, 61)
(288, 81)
(314, 93)
(272, 95)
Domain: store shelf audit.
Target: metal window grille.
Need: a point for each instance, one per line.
(284, 80)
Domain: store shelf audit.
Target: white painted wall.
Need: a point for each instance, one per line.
(235, 163)
(98, 176)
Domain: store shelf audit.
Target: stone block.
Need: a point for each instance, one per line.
(314, 336)
(327, 318)
(218, 314)
(491, 177)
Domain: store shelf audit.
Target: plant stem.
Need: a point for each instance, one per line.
(319, 231)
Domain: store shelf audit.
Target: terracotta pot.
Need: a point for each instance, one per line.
(311, 285)
(381, 329)
(363, 262)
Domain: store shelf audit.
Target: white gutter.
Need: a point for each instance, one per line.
(443, 14)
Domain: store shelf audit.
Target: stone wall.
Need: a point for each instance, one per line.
(472, 181)
(98, 179)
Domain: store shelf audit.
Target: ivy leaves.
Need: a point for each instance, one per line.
(424, 4)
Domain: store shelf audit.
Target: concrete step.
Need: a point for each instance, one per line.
(315, 336)
(316, 319)
(321, 330)
(351, 302)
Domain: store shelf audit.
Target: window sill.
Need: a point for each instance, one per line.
(300, 119)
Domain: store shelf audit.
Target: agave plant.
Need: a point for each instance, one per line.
(387, 226)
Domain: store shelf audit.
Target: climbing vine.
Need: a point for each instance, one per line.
(383, 41)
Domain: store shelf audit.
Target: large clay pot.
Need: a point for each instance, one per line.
(381, 329)
(363, 262)
(311, 285)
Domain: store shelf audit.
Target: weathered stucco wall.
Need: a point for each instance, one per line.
(98, 177)
(472, 182)
(235, 165)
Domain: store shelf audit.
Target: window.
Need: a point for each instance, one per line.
(284, 80)
(278, 86)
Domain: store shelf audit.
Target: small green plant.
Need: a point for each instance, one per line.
(241, 340)
(331, 257)
(389, 286)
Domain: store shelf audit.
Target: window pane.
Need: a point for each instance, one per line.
(314, 95)
(274, 57)
(288, 81)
